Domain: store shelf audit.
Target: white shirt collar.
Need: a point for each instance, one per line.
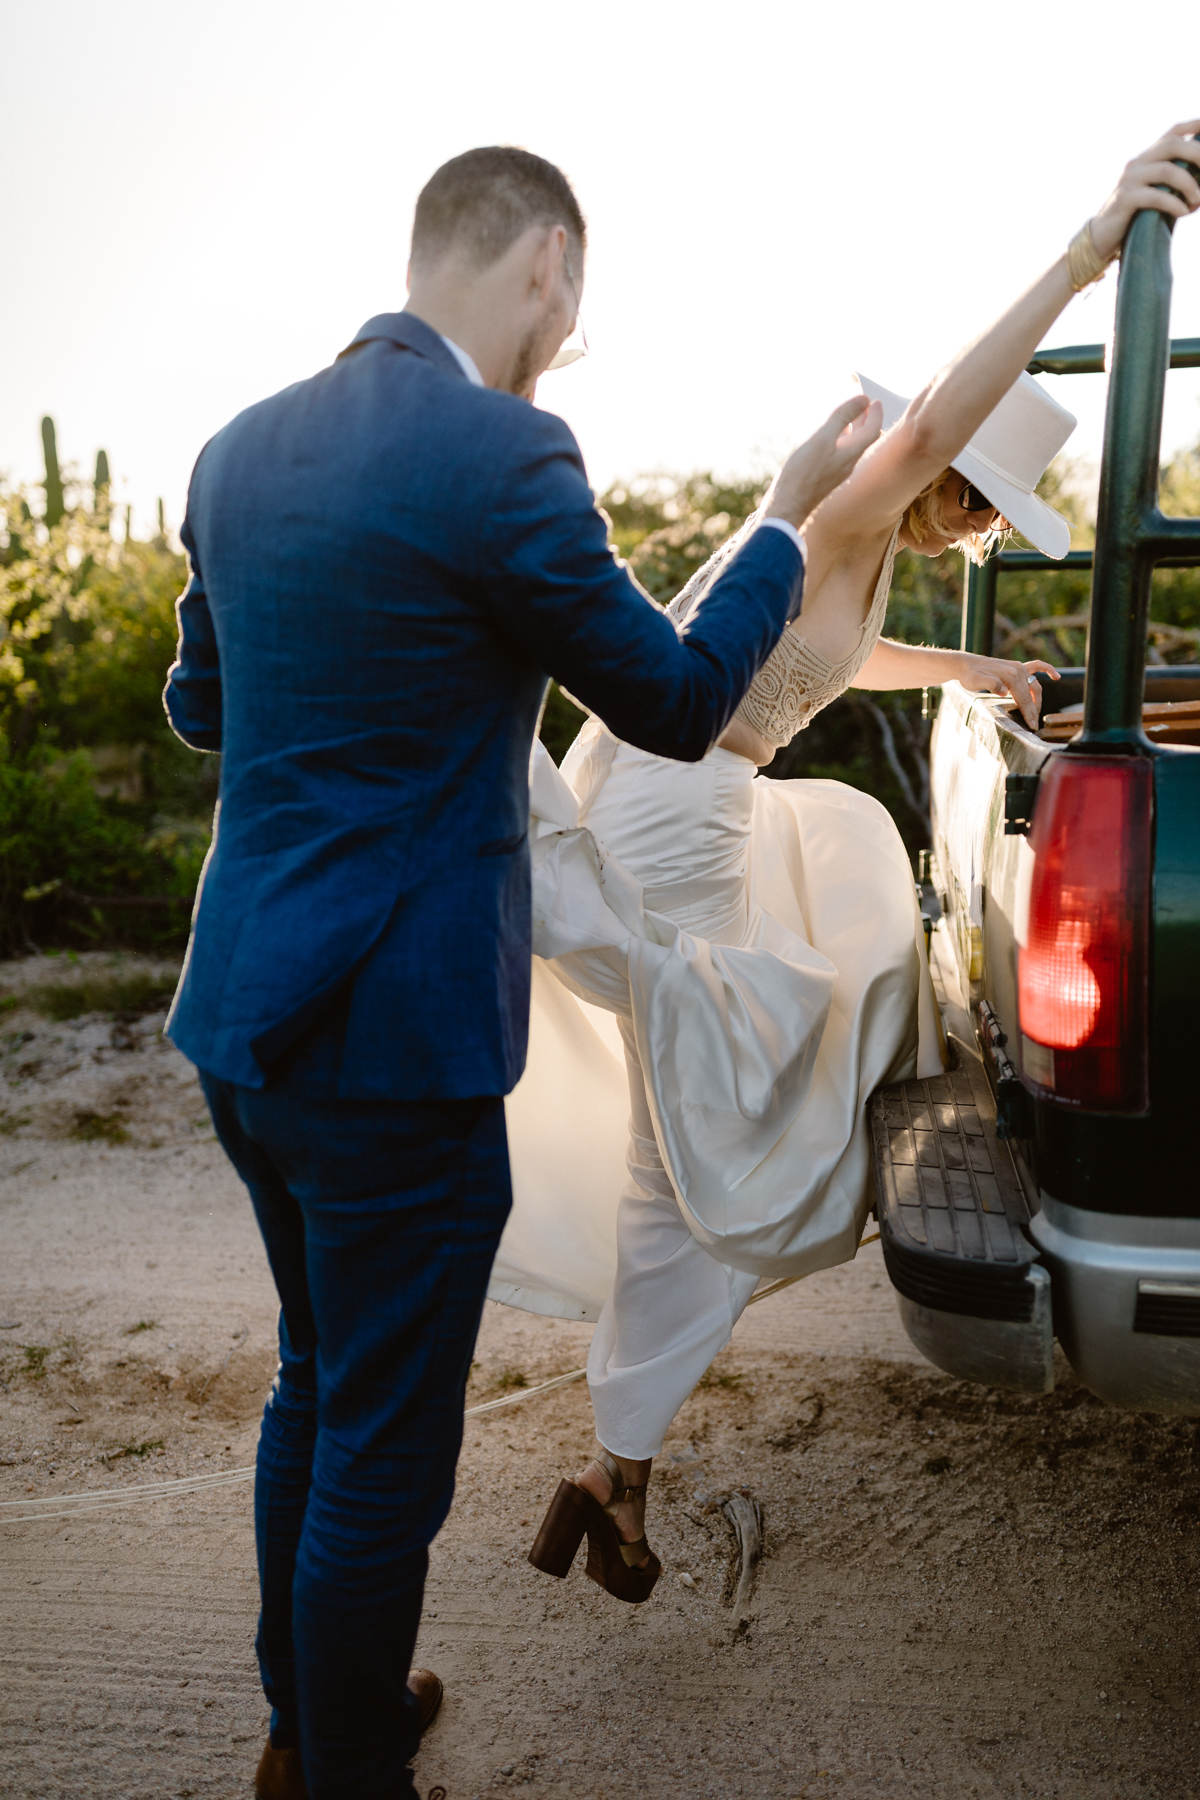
(465, 361)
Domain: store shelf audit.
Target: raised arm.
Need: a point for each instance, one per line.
(951, 408)
(822, 459)
(561, 597)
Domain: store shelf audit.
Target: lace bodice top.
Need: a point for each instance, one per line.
(798, 678)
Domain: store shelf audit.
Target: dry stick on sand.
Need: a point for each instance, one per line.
(745, 1515)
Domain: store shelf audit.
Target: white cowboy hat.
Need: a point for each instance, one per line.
(1008, 456)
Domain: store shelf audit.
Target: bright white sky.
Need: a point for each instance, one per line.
(206, 200)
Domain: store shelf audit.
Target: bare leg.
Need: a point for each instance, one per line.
(628, 1515)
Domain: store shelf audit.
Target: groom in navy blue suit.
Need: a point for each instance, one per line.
(387, 560)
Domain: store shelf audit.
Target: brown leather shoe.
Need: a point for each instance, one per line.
(427, 1690)
(279, 1775)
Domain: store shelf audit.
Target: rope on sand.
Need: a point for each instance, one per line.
(71, 1506)
(777, 1287)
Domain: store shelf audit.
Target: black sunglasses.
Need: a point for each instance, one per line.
(972, 500)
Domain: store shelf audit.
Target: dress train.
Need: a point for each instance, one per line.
(762, 1003)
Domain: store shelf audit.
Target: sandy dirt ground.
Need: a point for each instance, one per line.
(962, 1592)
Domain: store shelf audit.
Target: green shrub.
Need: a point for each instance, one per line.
(79, 869)
(104, 814)
(121, 994)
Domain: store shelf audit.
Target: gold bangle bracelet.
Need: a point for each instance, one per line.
(1084, 262)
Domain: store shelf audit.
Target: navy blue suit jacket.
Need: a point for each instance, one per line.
(386, 563)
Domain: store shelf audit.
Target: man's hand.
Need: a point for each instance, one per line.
(824, 460)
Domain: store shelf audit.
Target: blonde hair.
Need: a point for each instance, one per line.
(924, 517)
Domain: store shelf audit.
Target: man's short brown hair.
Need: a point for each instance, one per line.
(481, 202)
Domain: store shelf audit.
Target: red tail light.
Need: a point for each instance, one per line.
(1082, 967)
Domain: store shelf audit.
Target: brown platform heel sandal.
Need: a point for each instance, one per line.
(616, 1566)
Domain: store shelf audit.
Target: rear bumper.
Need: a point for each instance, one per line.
(1126, 1303)
(985, 1300)
(954, 1225)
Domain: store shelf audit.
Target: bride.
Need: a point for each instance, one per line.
(746, 955)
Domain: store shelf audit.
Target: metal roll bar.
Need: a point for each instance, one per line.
(1132, 534)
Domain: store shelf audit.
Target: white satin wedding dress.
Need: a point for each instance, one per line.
(725, 969)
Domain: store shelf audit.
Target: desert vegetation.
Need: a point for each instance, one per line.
(105, 816)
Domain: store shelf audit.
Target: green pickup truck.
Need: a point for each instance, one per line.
(1048, 1186)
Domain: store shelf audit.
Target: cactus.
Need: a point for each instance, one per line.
(54, 486)
(161, 539)
(102, 503)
